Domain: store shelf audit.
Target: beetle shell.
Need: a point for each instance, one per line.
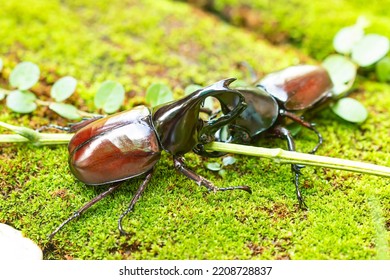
(114, 148)
(298, 87)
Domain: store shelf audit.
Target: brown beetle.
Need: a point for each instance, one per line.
(129, 144)
(278, 98)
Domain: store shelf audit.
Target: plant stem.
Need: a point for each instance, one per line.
(283, 156)
(45, 138)
(279, 155)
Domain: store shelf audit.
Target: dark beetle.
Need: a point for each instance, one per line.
(129, 144)
(278, 98)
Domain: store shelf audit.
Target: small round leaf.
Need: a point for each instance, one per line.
(294, 128)
(63, 88)
(223, 133)
(228, 160)
(65, 110)
(2, 94)
(214, 166)
(24, 76)
(350, 110)
(346, 38)
(370, 49)
(383, 70)
(342, 71)
(110, 96)
(222, 173)
(21, 101)
(191, 88)
(158, 94)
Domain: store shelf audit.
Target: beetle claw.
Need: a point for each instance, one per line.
(303, 205)
(244, 188)
(120, 228)
(134, 200)
(200, 181)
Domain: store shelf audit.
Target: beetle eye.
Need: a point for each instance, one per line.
(204, 138)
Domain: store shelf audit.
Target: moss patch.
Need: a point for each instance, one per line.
(178, 44)
(309, 25)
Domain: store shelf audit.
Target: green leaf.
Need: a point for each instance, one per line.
(63, 88)
(21, 101)
(157, 94)
(2, 94)
(214, 166)
(228, 160)
(65, 110)
(383, 70)
(223, 133)
(342, 71)
(222, 173)
(294, 128)
(110, 96)
(24, 76)
(350, 110)
(346, 38)
(370, 49)
(191, 88)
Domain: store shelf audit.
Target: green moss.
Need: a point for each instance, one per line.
(175, 219)
(309, 25)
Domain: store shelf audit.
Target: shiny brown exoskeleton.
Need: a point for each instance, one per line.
(116, 148)
(278, 98)
(129, 144)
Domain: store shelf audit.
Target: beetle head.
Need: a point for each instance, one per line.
(178, 125)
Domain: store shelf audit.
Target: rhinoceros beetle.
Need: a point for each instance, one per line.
(277, 99)
(112, 149)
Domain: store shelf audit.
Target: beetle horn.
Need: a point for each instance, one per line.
(222, 85)
(178, 125)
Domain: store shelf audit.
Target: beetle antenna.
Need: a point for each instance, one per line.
(85, 207)
(134, 201)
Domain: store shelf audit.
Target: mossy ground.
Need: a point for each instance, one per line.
(301, 23)
(142, 42)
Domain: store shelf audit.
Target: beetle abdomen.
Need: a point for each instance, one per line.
(298, 87)
(114, 148)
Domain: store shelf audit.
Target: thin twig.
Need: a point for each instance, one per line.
(45, 138)
(283, 156)
(278, 155)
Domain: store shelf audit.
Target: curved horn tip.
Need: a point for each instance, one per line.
(228, 81)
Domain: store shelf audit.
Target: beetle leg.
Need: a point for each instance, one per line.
(134, 200)
(200, 150)
(73, 127)
(85, 207)
(306, 124)
(284, 133)
(182, 168)
(212, 126)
